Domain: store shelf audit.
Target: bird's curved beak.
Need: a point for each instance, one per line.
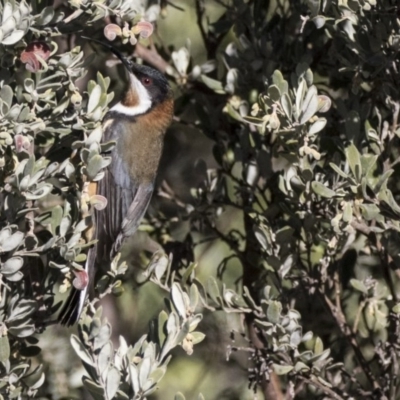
(129, 65)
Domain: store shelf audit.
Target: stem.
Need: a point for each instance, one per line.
(316, 383)
(347, 332)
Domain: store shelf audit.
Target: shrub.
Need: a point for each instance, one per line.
(283, 231)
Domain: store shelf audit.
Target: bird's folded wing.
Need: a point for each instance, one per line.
(133, 216)
(119, 190)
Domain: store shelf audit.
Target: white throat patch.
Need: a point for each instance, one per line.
(143, 96)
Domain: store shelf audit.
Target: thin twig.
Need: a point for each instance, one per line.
(357, 319)
(363, 228)
(395, 117)
(316, 383)
(200, 12)
(152, 57)
(347, 332)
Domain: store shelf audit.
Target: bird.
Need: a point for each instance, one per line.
(137, 124)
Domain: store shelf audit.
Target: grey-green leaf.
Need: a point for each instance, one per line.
(4, 349)
(94, 166)
(358, 285)
(274, 312)
(321, 190)
(12, 265)
(94, 98)
(310, 105)
(14, 37)
(353, 158)
(12, 242)
(6, 95)
(81, 351)
(178, 300)
(282, 369)
(113, 381)
(287, 105)
(317, 126)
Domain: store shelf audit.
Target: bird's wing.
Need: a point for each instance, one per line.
(133, 216)
(119, 190)
(127, 202)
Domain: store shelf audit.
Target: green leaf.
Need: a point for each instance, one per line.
(321, 190)
(40, 192)
(323, 355)
(144, 371)
(39, 382)
(347, 212)
(274, 93)
(94, 98)
(94, 137)
(103, 337)
(81, 351)
(338, 170)
(280, 82)
(197, 337)
(314, 6)
(395, 309)
(317, 126)
(282, 369)
(369, 211)
(193, 296)
(353, 158)
(12, 265)
(134, 377)
(94, 389)
(274, 312)
(46, 16)
(15, 277)
(178, 300)
(310, 105)
(104, 357)
(4, 349)
(213, 289)
(6, 95)
(300, 366)
(318, 346)
(358, 285)
(161, 266)
(162, 319)
(383, 178)
(94, 166)
(301, 90)
(179, 396)
(112, 383)
(12, 242)
(158, 374)
(319, 21)
(287, 105)
(13, 38)
(213, 84)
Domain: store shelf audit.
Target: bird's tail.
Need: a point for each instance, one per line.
(73, 306)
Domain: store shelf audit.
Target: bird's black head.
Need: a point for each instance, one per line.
(147, 86)
(153, 81)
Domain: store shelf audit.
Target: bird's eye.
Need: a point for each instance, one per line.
(146, 81)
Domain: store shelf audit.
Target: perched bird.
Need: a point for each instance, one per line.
(137, 124)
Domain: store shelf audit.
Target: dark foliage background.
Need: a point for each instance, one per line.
(268, 263)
